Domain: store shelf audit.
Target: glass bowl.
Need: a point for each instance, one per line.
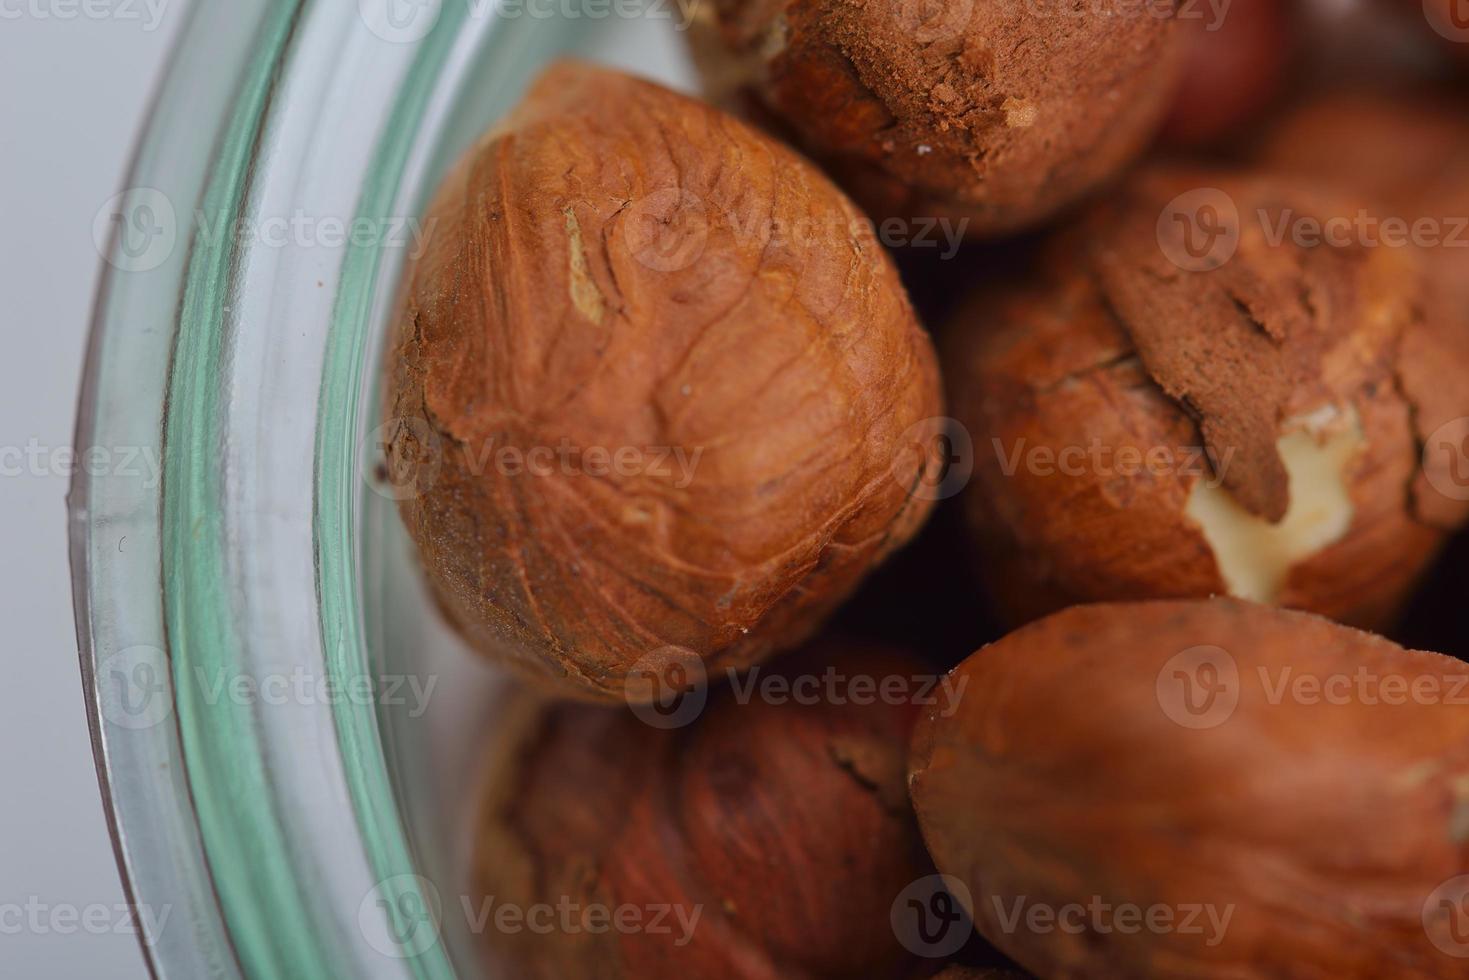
(287, 738)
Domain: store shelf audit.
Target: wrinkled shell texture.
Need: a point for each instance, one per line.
(787, 825)
(1410, 157)
(1327, 826)
(1112, 344)
(619, 266)
(1002, 113)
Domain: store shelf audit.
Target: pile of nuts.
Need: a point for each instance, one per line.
(1201, 326)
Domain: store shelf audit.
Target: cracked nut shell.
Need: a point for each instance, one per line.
(1408, 154)
(1150, 386)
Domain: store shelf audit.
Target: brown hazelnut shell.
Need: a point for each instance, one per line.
(1325, 827)
(1113, 344)
(1001, 114)
(787, 825)
(620, 266)
(1237, 61)
(1408, 154)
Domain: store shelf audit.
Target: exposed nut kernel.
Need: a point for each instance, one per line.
(1208, 378)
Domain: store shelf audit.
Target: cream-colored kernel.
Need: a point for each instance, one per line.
(1254, 556)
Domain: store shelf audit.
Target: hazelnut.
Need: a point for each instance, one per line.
(1237, 59)
(1408, 154)
(777, 831)
(1151, 420)
(1410, 148)
(999, 114)
(1205, 789)
(620, 274)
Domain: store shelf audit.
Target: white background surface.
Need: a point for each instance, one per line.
(74, 90)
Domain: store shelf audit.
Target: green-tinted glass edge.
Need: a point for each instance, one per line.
(259, 891)
(338, 581)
